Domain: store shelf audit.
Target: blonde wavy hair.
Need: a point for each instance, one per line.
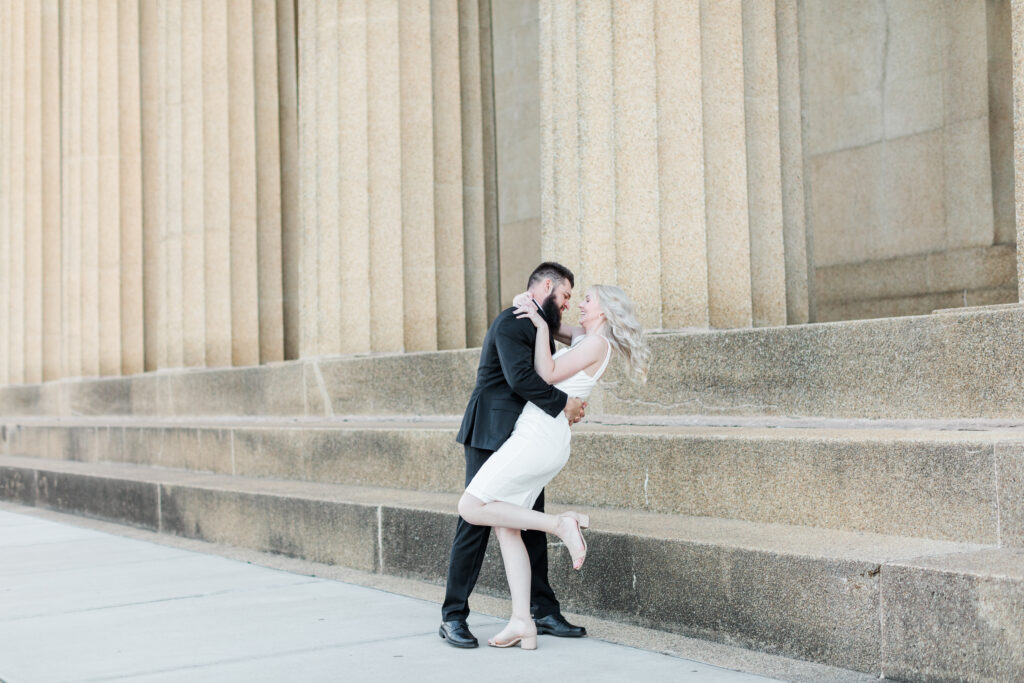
(622, 329)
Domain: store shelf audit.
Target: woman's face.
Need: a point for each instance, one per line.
(590, 308)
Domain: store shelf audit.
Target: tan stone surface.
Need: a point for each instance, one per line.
(307, 286)
(109, 191)
(1000, 93)
(51, 192)
(385, 177)
(726, 204)
(16, 207)
(450, 312)
(684, 266)
(636, 159)
(489, 137)
(216, 185)
(268, 183)
(193, 258)
(72, 216)
(968, 168)
(559, 239)
(5, 126)
(474, 213)
(418, 249)
(245, 343)
(764, 174)
(291, 227)
(172, 241)
(33, 215)
(596, 76)
(963, 269)
(355, 211)
(1010, 485)
(517, 145)
(792, 156)
(329, 162)
(1017, 12)
(151, 51)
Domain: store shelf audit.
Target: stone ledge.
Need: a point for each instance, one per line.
(959, 486)
(787, 590)
(942, 367)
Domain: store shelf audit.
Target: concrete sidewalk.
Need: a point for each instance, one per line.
(78, 604)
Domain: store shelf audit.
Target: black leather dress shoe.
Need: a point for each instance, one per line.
(556, 625)
(457, 634)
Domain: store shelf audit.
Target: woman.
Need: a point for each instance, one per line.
(503, 492)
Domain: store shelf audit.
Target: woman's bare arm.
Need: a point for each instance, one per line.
(587, 353)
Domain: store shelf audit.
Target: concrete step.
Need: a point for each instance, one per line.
(967, 364)
(855, 600)
(932, 483)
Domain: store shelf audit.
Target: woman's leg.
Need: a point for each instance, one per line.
(517, 571)
(501, 514)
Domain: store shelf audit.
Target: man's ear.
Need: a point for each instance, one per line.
(549, 286)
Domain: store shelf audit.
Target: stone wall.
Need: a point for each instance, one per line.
(909, 138)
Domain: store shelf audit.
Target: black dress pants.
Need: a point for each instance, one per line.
(467, 557)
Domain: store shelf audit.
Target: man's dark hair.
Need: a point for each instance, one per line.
(549, 269)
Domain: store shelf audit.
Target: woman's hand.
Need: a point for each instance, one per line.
(529, 310)
(521, 299)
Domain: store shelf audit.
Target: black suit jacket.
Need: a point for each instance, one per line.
(505, 381)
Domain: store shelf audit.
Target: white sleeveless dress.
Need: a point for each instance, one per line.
(537, 449)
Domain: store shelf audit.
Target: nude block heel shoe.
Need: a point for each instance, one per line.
(524, 642)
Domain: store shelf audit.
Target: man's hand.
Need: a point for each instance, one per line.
(574, 410)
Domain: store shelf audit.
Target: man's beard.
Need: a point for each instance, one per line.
(552, 314)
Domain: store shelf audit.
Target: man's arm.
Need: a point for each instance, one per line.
(514, 342)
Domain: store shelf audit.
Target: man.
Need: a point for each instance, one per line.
(505, 381)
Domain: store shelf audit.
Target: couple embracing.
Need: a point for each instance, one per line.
(516, 437)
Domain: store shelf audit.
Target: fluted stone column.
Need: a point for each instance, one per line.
(33, 213)
(291, 227)
(71, 232)
(108, 191)
(418, 275)
(729, 287)
(794, 213)
(328, 252)
(193, 252)
(1017, 16)
(308, 283)
(6, 124)
(449, 222)
(636, 159)
(474, 211)
(51, 189)
(151, 49)
(764, 173)
(661, 156)
(216, 185)
(385, 177)
(268, 182)
(16, 208)
(684, 259)
(130, 189)
(245, 348)
(89, 164)
(355, 206)
(595, 78)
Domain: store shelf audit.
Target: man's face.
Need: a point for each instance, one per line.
(557, 302)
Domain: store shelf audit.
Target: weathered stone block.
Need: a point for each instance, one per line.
(1010, 484)
(114, 499)
(955, 618)
(18, 485)
(317, 530)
